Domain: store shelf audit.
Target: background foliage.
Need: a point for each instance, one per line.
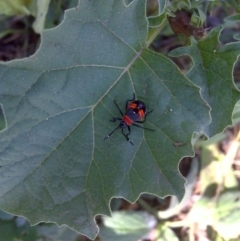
(68, 86)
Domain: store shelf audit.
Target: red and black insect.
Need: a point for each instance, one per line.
(135, 112)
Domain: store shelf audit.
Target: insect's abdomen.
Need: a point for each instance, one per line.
(136, 110)
(127, 119)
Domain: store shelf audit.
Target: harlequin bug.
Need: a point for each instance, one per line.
(135, 111)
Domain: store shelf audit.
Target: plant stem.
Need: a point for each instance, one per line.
(154, 32)
(148, 208)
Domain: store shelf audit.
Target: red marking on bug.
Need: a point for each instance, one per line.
(141, 113)
(132, 105)
(127, 120)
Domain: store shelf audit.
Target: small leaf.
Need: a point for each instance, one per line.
(212, 71)
(227, 215)
(157, 19)
(202, 210)
(234, 4)
(165, 233)
(236, 113)
(223, 215)
(182, 4)
(161, 6)
(129, 226)
(233, 18)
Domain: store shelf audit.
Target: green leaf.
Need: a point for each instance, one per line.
(236, 113)
(11, 231)
(233, 18)
(227, 215)
(202, 210)
(223, 215)
(15, 7)
(55, 165)
(161, 6)
(180, 4)
(212, 71)
(165, 233)
(234, 4)
(156, 20)
(124, 226)
(199, 16)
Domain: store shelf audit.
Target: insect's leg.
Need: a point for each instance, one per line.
(111, 133)
(142, 127)
(129, 130)
(126, 135)
(118, 107)
(148, 112)
(130, 100)
(145, 117)
(115, 118)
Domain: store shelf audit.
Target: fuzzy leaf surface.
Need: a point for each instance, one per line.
(55, 165)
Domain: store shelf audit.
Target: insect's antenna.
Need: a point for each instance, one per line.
(110, 133)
